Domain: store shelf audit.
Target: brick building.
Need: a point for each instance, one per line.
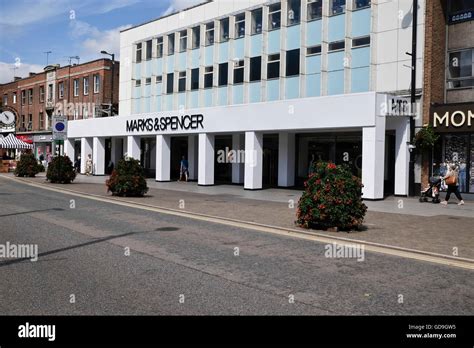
(449, 88)
(79, 91)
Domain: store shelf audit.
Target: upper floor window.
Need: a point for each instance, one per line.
(194, 79)
(138, 53)
(148, 81)
(182, 81)
(461, 69)
(274, 16)
(336, 46)
(360, 4)
(76, 87)
(5, 99)
(159, 47)
(138, 83)
(183, 40)
(257, 17)
(41, 94)
(50, 92)
(85, 81)
(273, 66)
(14, 97)
(239, 72)
(240, 25)
(61, 89)
(223, 74)
(23, 97)
(170, 44)
(313, 50)
(159, 79)
(256, 68)
(208, 76)
(30, 96)
(293, 62)
(337, 7)
(224, 30)
(209, 33)
(361, 41)
(196, 32)
(294, 12)
(149, 49)
(169, 83)
(96, 83)
(315, 9)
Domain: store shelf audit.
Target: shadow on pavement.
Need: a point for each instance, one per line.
(32, 211)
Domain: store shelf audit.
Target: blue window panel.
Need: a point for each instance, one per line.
(255, 92)
(336, 82)
(239, 48)
(336, 61)
(170, 64)
(158, 103)
(238, 94)
(181, 100)
(313, 85)
(147, 68)
(222, 99)
(361, 22)
(360, 80)
(137, 106)
(138, 71)
(209, 55)
(293, 37)
(256, 44)
(137, 92)
(146, 105)
(360, 57)
(292, 88)
(194, 99)
(208, 97)
(158, 88)
(159, 66)
(168, 102)
(314, 33)
(337, 27)
(273, 89)
(274, 41)
(195, 55)
(146, 91)
(224, 52)
(313, 64)
(181, 61)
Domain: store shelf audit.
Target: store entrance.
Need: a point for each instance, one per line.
(270, 160)
(179, 148)
(389, 174)
(147, 156)
(222, 167)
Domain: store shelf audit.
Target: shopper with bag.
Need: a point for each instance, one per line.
(452, 180)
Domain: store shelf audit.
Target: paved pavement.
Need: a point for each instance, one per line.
(400, 222)
(83, 245)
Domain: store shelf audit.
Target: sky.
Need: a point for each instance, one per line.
(29, 28)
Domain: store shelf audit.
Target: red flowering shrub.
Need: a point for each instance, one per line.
(332, 198)
(127, 179)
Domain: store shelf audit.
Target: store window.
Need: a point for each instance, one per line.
(274, 16)
(273, 66)
(239, 72)
(256, 68)
(337, 7)
(209, 34)
(194, 79)
(294, 12)
(224, 30)
(196, 32)
(461, 69)
(293, 62)
(170, 44)
(208, 76)
(223, 74)
(358, 4)
(183, 40)
(315, 9)
(257, 21)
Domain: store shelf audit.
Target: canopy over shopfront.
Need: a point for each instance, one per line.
(12, 142)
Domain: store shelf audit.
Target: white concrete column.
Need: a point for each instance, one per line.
(286, 159)
(238, 167)
(206, 160)
(98, 156)
(133, 147)
(70, 150)
(86, 149)
(163, 157)
(253, 161)
(402, 156)
(373, 159)
(192, 157)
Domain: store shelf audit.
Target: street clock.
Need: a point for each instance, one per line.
(7, 118)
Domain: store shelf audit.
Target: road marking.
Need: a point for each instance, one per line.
(313, 236)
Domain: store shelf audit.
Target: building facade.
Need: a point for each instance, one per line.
(285, 83)
(79, 91)
(449, 89)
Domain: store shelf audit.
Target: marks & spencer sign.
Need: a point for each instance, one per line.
(166, 123)
(452, 117)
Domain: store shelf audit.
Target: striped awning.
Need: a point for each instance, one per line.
(12, 142)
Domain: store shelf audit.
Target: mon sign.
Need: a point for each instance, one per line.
(452, 117)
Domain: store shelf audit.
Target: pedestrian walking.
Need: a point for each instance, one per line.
(77, 164)
(89, 165)
(452, 180)
(183, 169)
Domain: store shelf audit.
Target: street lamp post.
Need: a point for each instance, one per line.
(411, 170)
(112, 82)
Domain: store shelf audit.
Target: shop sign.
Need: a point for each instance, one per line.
(452, 117)
(25, 138)
(459, 17)
(59, 127)
(160, 124)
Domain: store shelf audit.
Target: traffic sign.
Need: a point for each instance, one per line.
(59, 127)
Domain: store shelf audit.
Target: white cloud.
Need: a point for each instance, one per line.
(177, 5)
(7, 72)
